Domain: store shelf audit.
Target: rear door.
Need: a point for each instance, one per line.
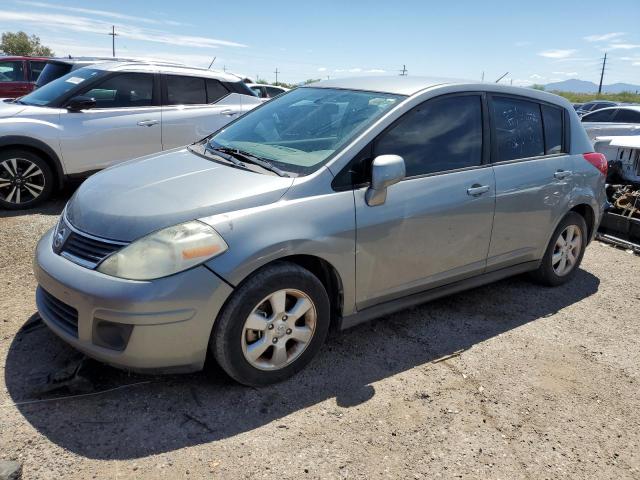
(534, 177)
(435, 225)
(189, 112)
(13, 79)
(125, 123)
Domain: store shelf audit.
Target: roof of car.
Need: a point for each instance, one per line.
(635, 108)
(408, 85)
(18, 57)
(153, 66)
(265, 85)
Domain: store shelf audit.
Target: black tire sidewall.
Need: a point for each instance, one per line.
(46, 170)
(225, 342)
(545, 273)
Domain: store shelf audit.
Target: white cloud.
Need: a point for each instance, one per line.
(535, 76)
(604, 37)
(566, 74)
(623, 46)
(558, 53)
(99, 13)
(636, 64)
(322, 69)
(375, 70)
(83, 24)
(522, 44)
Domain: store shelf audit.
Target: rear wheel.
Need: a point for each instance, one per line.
(564, 252)
(273, 326)
(25, 179)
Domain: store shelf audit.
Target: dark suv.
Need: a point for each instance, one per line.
(18, 75)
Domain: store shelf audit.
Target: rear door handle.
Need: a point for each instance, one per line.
(476, 190)
(228, 112)
(148, 123)
(562, 174)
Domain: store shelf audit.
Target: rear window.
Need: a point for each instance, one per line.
(518, 128)
(51, 71)
(186, 90)
(552, 119)
(599, 116)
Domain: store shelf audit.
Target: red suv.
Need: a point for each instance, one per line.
(18, 75)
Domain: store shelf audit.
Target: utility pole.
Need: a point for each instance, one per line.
(604, 64)
(224, 68)
(113, 40)
(404, 71)
(277, 72)
(482, 77)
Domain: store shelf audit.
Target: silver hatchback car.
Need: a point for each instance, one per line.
(327, 206)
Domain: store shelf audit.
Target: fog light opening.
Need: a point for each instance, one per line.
(111, 335)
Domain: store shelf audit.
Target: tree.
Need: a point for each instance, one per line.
(537, 86)
(19, 43)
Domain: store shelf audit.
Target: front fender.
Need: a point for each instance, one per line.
(322, 226)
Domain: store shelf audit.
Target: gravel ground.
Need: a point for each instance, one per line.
(511, 380)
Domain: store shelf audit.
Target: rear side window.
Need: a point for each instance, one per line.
(215, 90)
(36, 69)
(518, 128)
(599, 116)
(552, 118)
(125, 90)
(273, 92)
(439, 135)
(11, 72)
(186, 90)
(626, 116)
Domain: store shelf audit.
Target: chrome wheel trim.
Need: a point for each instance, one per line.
(279, 329)
(566, 250)
(21, 181)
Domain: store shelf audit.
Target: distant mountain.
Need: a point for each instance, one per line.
(582, 86)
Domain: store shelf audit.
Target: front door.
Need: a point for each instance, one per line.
(125, 124)
(435, 225)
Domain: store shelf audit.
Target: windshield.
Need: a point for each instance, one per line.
(300, 130)
(49, 93)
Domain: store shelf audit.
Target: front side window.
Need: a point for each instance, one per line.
(599, 116)
(553, 129)
(624, 115)
(123, 90)
(11, 72)
(518, 128)
(439, 135)
(36, 69)
(53, 92)
(301, 130)
(186, 90)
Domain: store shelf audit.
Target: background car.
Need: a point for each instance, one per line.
(18, 75)
(266, 91)
(97, 116)
(595, 105)
(620, 120)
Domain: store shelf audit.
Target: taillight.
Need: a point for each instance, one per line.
(598, 160)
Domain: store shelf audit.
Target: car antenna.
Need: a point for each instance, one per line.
(214, 59)
(507, 73)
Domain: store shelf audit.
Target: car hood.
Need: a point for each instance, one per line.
(138, 197)
(9, 109)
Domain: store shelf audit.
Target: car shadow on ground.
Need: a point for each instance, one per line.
(172, 412)
(53, 206)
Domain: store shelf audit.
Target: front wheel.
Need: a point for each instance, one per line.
(564, 252)
(273, 325)
(25, 179)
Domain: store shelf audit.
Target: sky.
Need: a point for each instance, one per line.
(538, 41)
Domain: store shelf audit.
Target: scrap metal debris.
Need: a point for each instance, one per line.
(75, 377)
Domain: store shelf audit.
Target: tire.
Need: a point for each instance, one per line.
(549, 273)
(235, 344)
(18, 191)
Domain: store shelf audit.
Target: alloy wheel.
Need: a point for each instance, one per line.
(566, 250)
(279, 329)
(21, 181)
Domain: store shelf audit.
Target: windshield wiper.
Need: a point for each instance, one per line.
(224, 155)
(248, 157)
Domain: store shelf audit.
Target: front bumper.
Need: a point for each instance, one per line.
(171, 317)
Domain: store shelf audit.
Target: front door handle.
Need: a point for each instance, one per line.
(148, 123)
(476, 190)
(228, 112)
(562, 174)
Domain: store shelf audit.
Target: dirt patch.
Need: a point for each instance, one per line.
(511, 380)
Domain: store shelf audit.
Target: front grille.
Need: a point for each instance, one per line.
(82, 248)
(63, 315)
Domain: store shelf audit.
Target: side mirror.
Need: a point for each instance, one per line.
(81, 103)
(386, 170)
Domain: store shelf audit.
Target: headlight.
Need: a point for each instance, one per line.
(165, 252)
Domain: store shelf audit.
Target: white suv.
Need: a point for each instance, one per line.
(104, 114)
